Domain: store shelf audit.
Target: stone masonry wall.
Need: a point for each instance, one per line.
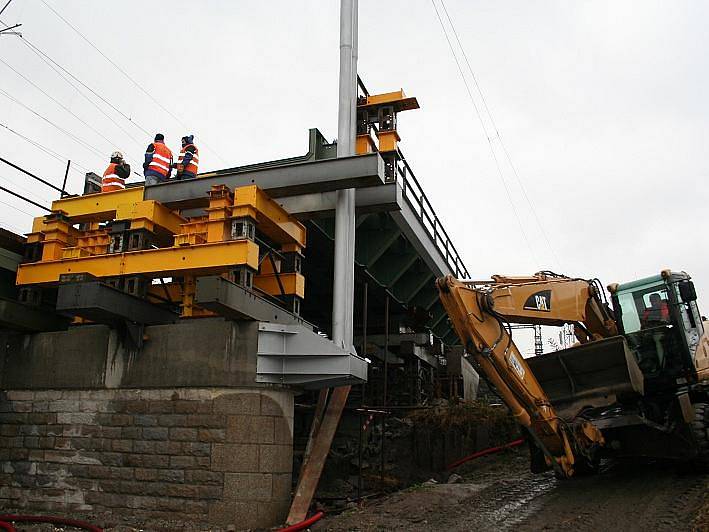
(169, 459)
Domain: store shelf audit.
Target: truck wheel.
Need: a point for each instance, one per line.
(700, 429)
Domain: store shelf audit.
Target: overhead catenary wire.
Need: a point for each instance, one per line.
(20, 196)
(78, 140)
(60, 104)
(27, 172)
(128, 77)
(499, 137)
(5, 7)
(76, 167)
(482, 123)
(55, 65)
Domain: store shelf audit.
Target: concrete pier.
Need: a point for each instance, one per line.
(175, 434)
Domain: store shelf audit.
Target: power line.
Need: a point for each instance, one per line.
(47, 59)
(130, 78)
(482, 123)
(24, 189)
(71, 135)
(5, 7)
(24, 198)
(60, 104)
(19, 168)
(499, 137)
(46, 150)
(92, 91)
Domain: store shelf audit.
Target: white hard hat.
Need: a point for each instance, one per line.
(117, 155)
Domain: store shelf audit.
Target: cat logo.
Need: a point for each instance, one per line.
(540, 301)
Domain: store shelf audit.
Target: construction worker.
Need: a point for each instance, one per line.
(114, 178)
(158, 161)
(188, 160)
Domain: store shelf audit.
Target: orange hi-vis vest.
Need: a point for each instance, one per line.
(194, 162)
(162, 159)
(111, 181)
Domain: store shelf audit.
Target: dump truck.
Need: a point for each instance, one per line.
(635, 384)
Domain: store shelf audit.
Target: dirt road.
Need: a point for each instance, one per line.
(499, 493)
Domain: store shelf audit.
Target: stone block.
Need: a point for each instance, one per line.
(247, 403)
(247, 487)
(274, 512)
(211, 435)
(182, 462)
(106, 432)
(249, 429)
(282, 486)
(283, 430)
(235, 458)
(20, 395)
(161, 407)
(183, 434)
(275, 458)
(155, 460)
(144, 447)
(197, 449)
(209, 492)
(171, 420)
(275, 403)
(168, 447)
(122, 473)
(145, 475)
(122, 446)
(131, 433)
(193, 407)
(155, 433)
(241, 515)
(205, 421)
(143, 420)
(171, 475)
(197, 476)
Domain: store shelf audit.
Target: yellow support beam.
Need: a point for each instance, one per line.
(98, 207)
(293, 284)
(272, 219)
(148, 214)
(202, 259)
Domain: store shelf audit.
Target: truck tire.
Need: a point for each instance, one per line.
(700, 429)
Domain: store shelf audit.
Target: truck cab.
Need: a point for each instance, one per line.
(661, 322)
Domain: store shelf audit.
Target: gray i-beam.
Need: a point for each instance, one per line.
(343, 283)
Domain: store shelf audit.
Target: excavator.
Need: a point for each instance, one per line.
(635, 384)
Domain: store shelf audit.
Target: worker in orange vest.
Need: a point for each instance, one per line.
(114, 178)
(188, 160)
(158, 161)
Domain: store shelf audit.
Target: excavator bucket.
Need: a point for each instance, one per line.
(591, 374)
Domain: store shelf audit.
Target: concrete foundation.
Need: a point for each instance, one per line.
(174, 435)
(183, 458)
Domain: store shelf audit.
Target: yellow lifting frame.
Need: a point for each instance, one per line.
(273, 220)
(293, 284)
(148, 214)
(99, 207)
(201, 259)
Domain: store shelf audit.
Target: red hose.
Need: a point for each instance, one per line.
(49, 519)
(7, 527)
(478, 454)
(303, 524)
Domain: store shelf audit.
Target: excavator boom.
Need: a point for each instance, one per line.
(480, 312)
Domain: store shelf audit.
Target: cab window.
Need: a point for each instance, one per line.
(644, 308)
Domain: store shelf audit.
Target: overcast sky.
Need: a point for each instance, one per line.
(602, 107)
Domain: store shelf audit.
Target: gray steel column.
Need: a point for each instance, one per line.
(343, 283)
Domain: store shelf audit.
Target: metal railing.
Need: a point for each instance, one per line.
(417, 200)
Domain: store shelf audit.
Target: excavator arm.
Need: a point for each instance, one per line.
(480, 313)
